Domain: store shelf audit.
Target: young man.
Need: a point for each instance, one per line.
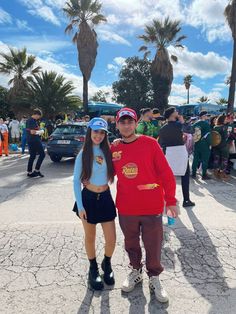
(145, 183)
(202, 146)
(33, 134)
(171, 135)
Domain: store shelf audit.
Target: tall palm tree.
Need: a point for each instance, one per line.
(83, 15)
(230, 14)
(52, 93)
(188, 79)
(21, 66)
(160, 35)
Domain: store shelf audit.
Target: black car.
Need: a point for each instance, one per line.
(66, 140)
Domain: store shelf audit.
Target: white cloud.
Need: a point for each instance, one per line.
(5, 17)
(39, 44)
(38, 8)
(119, 60)
(112, 67)
(179, 94)
(23, 25)
(50, 64)
(107, 35)
(198, 64)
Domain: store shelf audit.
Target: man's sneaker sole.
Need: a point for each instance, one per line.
(129, 289)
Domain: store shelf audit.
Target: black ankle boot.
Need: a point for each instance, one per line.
(108, 272)
(95, 279)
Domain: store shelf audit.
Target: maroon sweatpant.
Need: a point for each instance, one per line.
(151, 230)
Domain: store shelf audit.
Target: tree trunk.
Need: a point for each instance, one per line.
(188, 96)
(231, 97)
(85, 94)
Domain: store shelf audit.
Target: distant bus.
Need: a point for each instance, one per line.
(101, 109)
(193, 110)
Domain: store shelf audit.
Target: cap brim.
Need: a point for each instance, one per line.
(126, 115)
(97, 127)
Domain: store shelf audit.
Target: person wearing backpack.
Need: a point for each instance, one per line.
(221, 151)
(202, 146)
(145, 126)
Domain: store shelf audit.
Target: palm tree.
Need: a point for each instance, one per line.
(83, 15)
(52, 93)
(203, 99)
(222, 101)
(21, 66)
(188, 79)
(160, 35)
(230, 14)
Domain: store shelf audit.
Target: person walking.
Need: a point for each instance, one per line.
(145, 184)
(4, 138)
(171, 135)
(33, 137)
(202, 146)
(94, 168)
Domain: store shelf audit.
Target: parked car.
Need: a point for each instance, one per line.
(66, 140)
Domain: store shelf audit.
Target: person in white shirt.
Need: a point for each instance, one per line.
(14, 127)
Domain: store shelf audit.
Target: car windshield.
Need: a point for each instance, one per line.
(70, 129)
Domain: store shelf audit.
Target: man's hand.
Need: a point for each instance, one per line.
(33, 132)
(82, 214)
(172, 211)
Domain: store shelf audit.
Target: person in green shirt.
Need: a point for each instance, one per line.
(202, 146)
(145, 125)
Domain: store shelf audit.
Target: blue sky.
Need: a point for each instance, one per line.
(39, 26)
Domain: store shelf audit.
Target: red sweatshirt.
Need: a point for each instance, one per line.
(145, 179)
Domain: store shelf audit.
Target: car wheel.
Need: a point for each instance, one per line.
(55, 158)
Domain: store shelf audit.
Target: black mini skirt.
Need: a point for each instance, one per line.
(99, 207)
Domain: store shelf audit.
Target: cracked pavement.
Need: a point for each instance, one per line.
(43, 265)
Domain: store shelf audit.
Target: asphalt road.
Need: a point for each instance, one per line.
(43, 264)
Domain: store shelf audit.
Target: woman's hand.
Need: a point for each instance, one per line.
(82, 214)
(116, 142)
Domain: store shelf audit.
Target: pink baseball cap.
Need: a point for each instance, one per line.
(126, 112)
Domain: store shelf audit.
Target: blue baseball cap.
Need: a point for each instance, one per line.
(98, 124)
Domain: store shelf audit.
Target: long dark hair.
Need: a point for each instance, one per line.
(87, 157)
(221, 119)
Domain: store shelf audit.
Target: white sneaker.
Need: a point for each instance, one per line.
(160, 292)
(133, 278)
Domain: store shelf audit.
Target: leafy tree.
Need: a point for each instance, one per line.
(230, 14)
(134, 87)
(160, 35)
(21, 66)
(188, 79)
(52, 93)
(4, 105)
(100, 96)
(83, 15)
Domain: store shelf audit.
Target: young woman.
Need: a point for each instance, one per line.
(94, 204)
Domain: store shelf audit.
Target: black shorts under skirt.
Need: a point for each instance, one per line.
(99, 207)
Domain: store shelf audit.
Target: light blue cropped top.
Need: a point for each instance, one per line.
(98, 176)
